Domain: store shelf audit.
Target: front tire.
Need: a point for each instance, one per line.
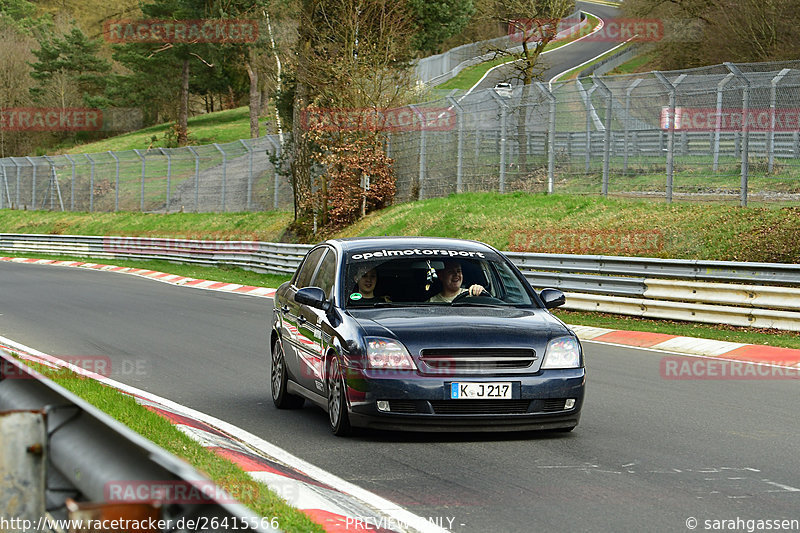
(278, 379)
(338, 420)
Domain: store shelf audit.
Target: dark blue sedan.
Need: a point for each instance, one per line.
(424, 334)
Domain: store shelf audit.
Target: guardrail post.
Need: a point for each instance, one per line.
(33, 182)
(672, 88)
(460, 159)
(626, 121)
(720, 86)
(745, 131)
(773, 96)
(196, 179)
(72, 184)
(606, 132)
(116, 181)
(422, 152)
(276, 182)
(91, 183)
(144, 169)
(224, 173)
(250, 176)
(551, 137)
(503, 116)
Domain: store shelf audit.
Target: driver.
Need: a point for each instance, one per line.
(451, 278)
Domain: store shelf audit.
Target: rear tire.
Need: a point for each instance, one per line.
(338, 420)
(278, 379)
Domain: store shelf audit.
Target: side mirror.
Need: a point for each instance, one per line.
(552, 298)
(313, 296)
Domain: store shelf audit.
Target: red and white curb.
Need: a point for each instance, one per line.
(163, 277)
(330, 501)
(732, 351)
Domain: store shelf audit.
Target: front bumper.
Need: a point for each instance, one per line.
(423, 402)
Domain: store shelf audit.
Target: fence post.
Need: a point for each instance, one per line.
(745, 131)
(196, 179)
(503, 116)
(250, 178)
(16, 165)
(588, 105)
(72, 184)
(627, 119)
(422, 152)
(724, 81)
(606, 132)
(116, 187)
(672, 88)
(33, 182)
(460, 160)
(166, 152)
(4, 188)
(551, 137)
(276, 182)
(144, 169)
(91, 183)
(54, 188)
(224, 173)
(773, 97)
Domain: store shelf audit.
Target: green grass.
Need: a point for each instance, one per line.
(218, 127)
(637, 64)
(722, 332)
(468, 77)
(257, 496)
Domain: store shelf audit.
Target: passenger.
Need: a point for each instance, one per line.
(366, 282)
(452, 278)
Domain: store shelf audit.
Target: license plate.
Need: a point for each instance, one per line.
(486, 391)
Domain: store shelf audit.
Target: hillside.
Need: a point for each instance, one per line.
(519, 221)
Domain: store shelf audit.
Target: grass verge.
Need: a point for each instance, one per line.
(721, 332)
(257, 496)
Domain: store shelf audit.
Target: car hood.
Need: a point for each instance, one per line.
(463, 327)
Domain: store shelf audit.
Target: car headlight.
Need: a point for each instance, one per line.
(388, 353)
(562, 352)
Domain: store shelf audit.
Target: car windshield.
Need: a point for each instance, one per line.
(397, 278)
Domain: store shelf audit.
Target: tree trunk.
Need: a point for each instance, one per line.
(183, 111)
(255, 94)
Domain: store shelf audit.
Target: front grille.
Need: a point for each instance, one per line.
(477, 359)
(403, 406)
(556, 404)
(480, 407)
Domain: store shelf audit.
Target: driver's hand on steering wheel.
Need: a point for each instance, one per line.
(477, 290)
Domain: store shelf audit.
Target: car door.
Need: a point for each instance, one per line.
(292, 316)
(312, 325)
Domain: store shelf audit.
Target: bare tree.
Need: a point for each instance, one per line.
(534, 24)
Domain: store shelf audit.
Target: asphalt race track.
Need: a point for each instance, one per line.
(649, 454)
(562, 58)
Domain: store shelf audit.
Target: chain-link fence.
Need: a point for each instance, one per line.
(724, 132)
(236, 176)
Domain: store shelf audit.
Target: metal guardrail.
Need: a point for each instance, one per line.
(57, 447)
(739, 293)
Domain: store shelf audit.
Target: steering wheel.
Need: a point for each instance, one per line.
(483, 296)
